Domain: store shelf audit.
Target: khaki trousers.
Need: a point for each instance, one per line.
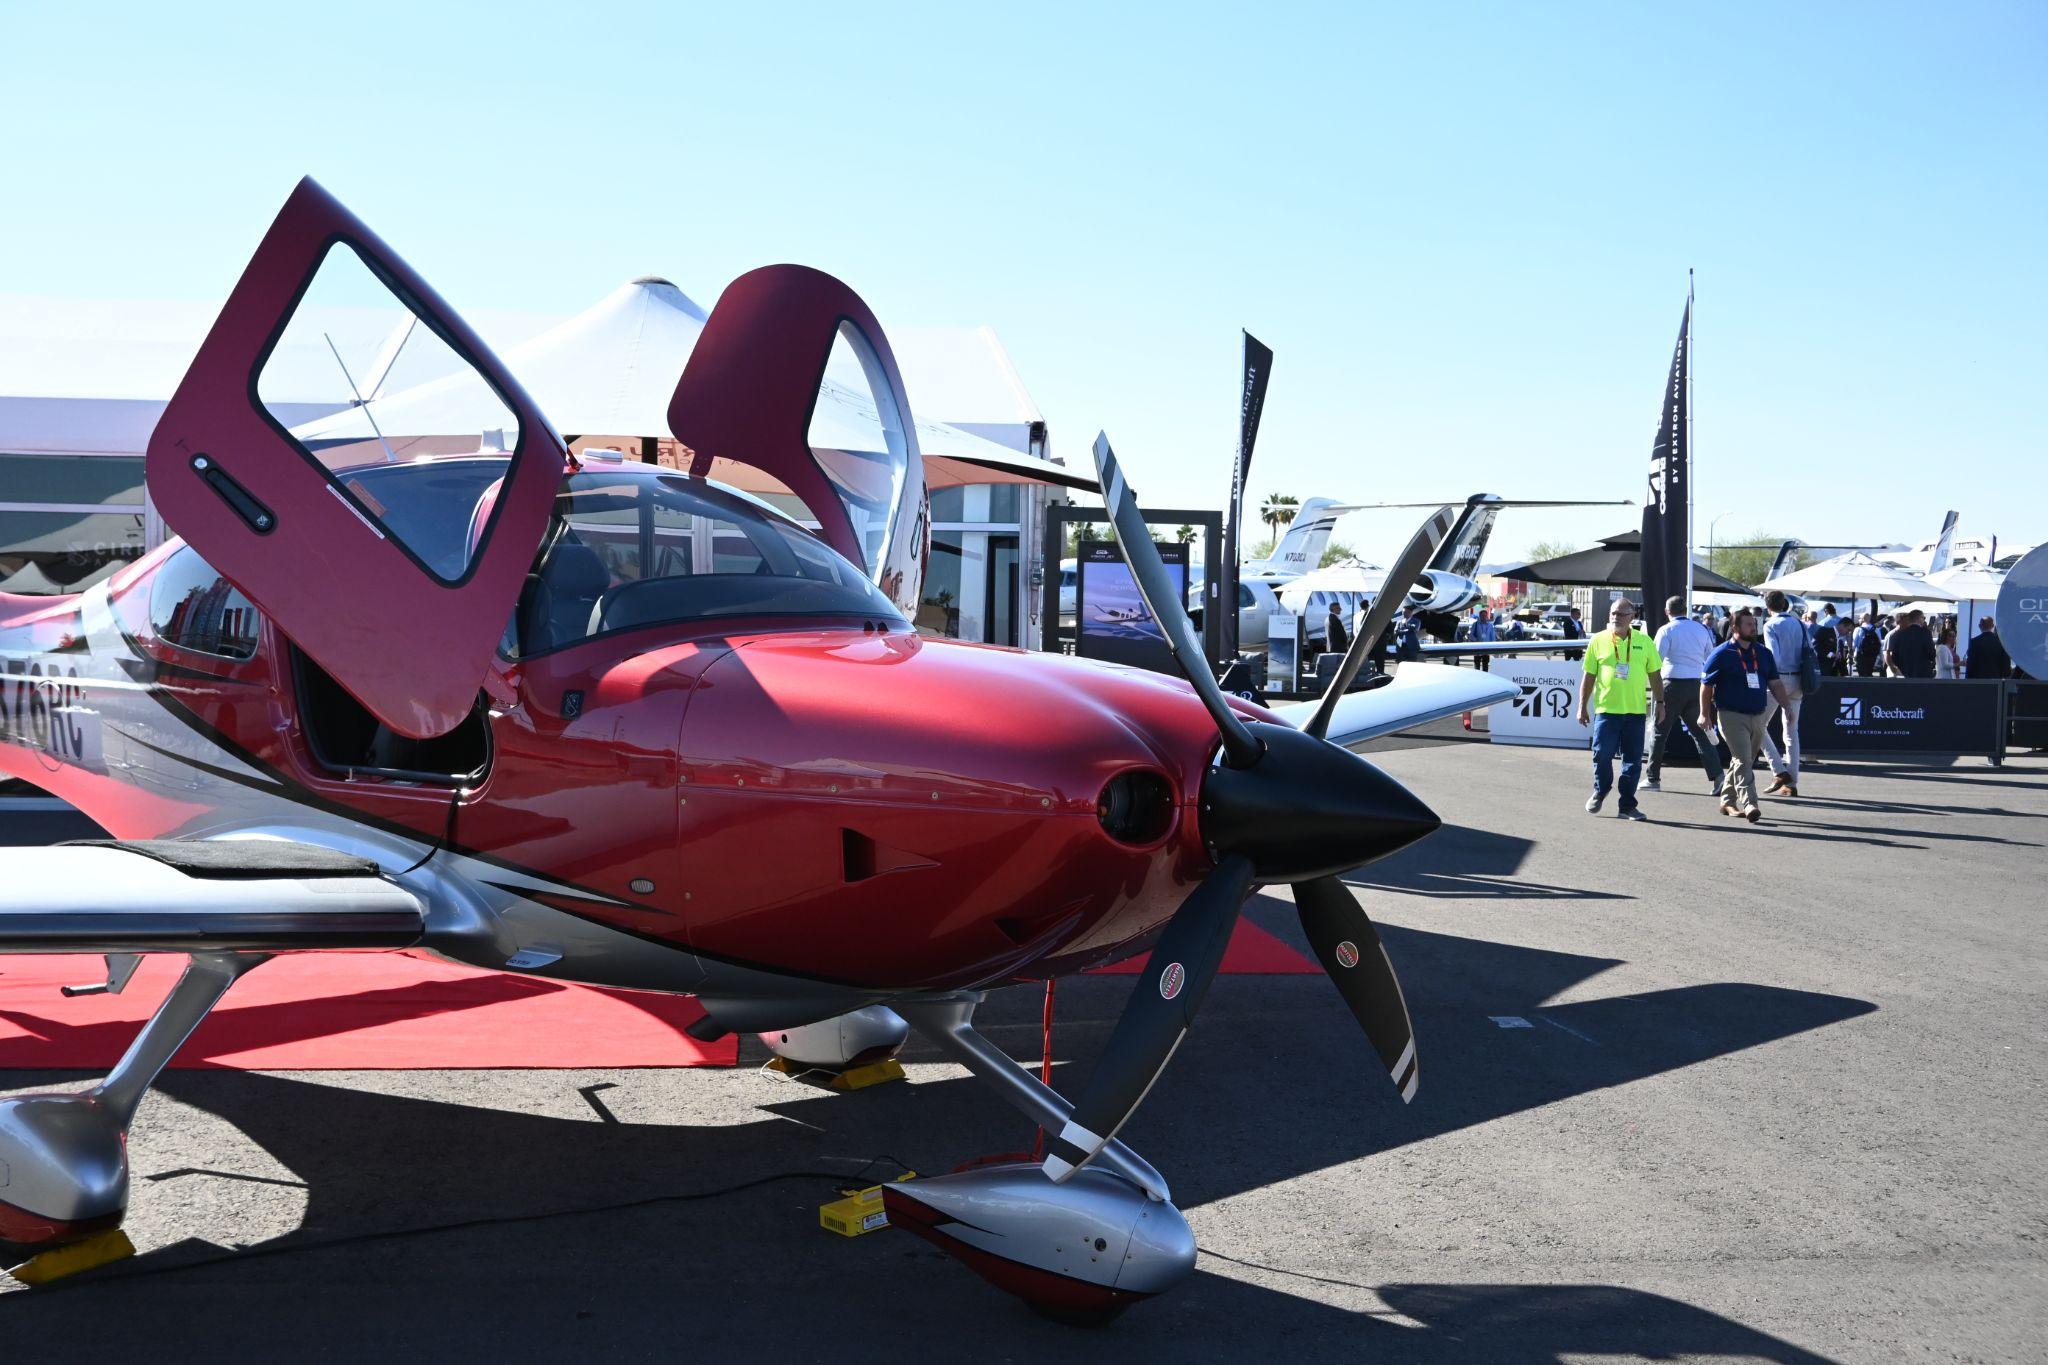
(1745, 735)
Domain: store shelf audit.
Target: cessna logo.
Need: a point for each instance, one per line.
(1171, 980)
(1851, 711)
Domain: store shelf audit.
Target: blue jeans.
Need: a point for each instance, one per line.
(1612, 734)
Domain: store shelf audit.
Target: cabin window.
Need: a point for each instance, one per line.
(193, 607)
(628, 551)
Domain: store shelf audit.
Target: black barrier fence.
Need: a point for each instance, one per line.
(2027, 715)
(1881, 717)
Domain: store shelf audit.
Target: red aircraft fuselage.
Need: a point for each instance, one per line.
(843, 800)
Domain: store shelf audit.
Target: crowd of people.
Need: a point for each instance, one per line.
(1727, 684)
(1904, 644)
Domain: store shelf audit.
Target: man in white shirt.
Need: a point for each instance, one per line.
(1785, 634)
(1683, 644)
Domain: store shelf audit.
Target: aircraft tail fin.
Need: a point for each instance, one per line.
(1944, 545)
(1301, 548)
(1785, 559)
(1462, 548)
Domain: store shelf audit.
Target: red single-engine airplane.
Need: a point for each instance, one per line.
(625, 725)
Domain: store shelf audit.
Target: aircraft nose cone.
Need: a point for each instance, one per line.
(1308, 809)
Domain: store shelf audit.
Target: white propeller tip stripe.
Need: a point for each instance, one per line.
(1074, 1135)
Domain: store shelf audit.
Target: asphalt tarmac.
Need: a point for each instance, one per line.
(1690, 1090)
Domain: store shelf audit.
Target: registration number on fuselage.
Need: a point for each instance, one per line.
(44, 709)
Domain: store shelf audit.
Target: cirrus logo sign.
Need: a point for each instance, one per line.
(1171, 980)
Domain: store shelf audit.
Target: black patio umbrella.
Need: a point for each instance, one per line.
(1616, 562)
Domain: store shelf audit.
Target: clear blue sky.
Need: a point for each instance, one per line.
(1466, 235)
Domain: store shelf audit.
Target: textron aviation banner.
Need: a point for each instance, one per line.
(1667, 523)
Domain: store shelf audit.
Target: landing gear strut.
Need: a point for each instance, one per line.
(65, 1156)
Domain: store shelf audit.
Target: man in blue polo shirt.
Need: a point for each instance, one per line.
(1736, 688)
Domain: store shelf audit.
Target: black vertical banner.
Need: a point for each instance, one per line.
(1258, 368)
(1667, 529)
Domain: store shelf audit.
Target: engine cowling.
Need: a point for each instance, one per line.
(1441, 591)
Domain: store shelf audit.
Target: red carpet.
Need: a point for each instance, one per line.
(1252, 952)
(342, 1011)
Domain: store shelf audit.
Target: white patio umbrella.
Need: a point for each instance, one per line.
(1975, 588)
(606, 376)
(1857, 575)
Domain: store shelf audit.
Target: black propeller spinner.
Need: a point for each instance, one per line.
(1278, 806)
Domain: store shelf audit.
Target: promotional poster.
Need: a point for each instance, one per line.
(1113, 623)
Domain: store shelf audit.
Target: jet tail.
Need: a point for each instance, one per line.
(1944, 553)
(1462, 548)
(1301, 549)
(1782, 562)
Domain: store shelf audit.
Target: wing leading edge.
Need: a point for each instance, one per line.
(219, 896)
(1419, 693)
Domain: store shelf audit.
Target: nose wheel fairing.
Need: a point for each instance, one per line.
(1084, 1251)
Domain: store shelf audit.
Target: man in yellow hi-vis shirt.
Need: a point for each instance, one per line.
(1622, 669)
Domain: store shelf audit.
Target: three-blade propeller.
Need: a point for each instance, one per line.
(1280, 805)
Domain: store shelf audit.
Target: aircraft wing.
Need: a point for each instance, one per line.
(1418, 694)
(988, 462)
(182, 896)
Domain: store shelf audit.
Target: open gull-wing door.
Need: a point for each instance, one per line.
(402, 605)
(794, 377)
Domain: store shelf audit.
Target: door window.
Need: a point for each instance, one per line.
(856, 434)
(357, 377)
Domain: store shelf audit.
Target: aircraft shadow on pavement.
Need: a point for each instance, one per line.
(1465, 863)
(1275, 1082)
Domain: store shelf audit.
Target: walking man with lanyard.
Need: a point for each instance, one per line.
(1621, 666)
(1683, 644)
(1740, 681)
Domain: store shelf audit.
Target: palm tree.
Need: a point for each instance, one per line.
(1278, 511)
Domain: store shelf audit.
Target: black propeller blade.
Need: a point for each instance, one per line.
(1134, 539)
(1162, 1005)
(1283, 805)
(1350, 950)
(1385, 603)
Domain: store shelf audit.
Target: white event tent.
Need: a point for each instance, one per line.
(605, 377)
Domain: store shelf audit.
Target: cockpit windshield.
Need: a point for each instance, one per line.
(627, 551)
